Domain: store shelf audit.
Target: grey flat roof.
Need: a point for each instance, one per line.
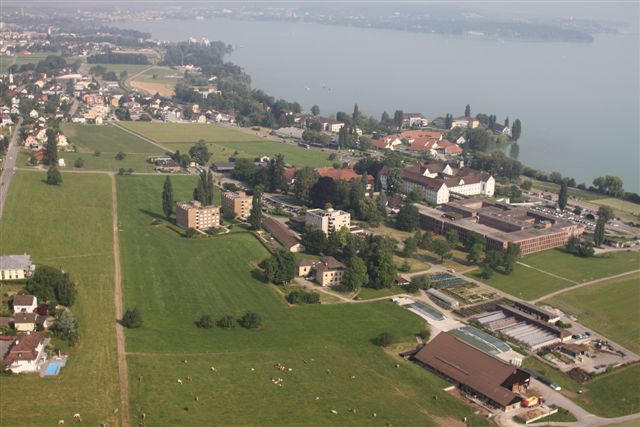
(15, 262)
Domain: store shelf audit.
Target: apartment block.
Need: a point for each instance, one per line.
(194, 215)
(236, 204)
(328, 220)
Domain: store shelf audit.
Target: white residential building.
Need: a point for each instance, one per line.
(15, 267)
(327, 220)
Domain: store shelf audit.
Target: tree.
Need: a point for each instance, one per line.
(205, 322)
(421, 282)
(54, 177)
(314, 240)
(416, 195)
(511, 256)
(467, 111)
(410, 246)
(356, 275)
(200, 153)
(315, 110)
(275, 172)
(52, 285)
(280, 268)
(605, 212)
(324, 191)
(486, 271)
(305, 179)
(120, 155)
(333, 245)
(452, 237)
(381, 203)
(599, 232)
(51, 154)
(394, 181)
(132, 318)
(475, 254)
(448, 121)
(506, 122)
(250, 320)
(226, 322)
(398, 118)
(381, 267)
(255, 216)
(167, 197)
(79, 163)
(563, 196)
(442, 248)
(407, 218)
(425, 240)
(355, 117)
(611, 185)
(516, 130)
(65, 326)
(385, 339)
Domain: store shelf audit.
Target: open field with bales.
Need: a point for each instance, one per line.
(68, 226)
(530, 278)
(174, 280)
(609, 308)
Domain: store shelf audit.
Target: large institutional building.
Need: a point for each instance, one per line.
(236, 204)
(328, 220)
(500, 224)
(194, 215)
(438, 181)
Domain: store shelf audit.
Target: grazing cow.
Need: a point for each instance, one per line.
(189, 378)
(334, 412)
(77, 417)
(60, 422)
(179, 381)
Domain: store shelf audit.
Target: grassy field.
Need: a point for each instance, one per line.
(187, 132)
(621, 208)
(174, 280)
(108, 140)
(610, 395)
(610, 308)
(164, 83)
(69, 227)
(131, 69)
(529, 283)
(368, 293)
(573, 192)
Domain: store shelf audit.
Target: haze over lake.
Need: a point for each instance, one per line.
(578, 103)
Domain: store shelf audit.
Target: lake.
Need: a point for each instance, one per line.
(578, 103)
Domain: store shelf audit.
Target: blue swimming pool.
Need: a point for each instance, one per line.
(53, 368)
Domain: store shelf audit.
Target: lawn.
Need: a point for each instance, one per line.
(368, 293)
(70, 227)
(529, 283)
(609, 307)
(174, 280)
(187, 132)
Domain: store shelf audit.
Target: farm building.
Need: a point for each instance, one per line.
(473, 371)
(443, 299)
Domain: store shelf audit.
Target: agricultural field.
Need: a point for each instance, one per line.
(160, 80)
(108, 140)
(531, 283)
(131, 69)
(174, 280)
(609, 307)
(580, 269)
(70, 227)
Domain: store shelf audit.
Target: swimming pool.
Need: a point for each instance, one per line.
(53, 368)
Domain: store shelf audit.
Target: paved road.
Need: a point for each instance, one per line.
(9, 166)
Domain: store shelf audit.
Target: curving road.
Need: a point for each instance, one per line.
(9, 166)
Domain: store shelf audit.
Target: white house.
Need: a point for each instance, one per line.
(26, 354)
(15, 267)
(25, 303)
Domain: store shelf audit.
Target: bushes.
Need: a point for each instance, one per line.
(250, 320)
(205, 322)
(132, 318)
(299, 296)
(226, 322)
(385, 339)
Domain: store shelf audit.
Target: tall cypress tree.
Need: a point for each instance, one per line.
(167, 197)
(209, 188)
(255, 217)
(51, 155)
(467, 111)
(598, 233)
(516, 130)
(563, 196)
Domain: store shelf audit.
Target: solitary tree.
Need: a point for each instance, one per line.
(205, 322)
(79, 163)
(132, 318)
(315, 110)
(598, 233)
(467, 111)
(54, 177)
(516, 130)
(167, 198)
(250, 320)
(51, 154)
(410, 246)
(442, 248)
(563, 196)
(385, 339)
(255, 217)
(511, 256)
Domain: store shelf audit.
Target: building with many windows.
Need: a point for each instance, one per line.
(500, 224)
(194, 215)
(236, 204)
(327, 220)
(15, 267)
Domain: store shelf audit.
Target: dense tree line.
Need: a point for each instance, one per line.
(52, 285)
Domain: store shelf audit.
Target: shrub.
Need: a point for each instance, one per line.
(299, 296)
(120, 155)
(132, 318)
(385, 339)
(412, 287)
(250, 320)
(79, 163)
(225, 321)
(205, 322)
(190, 232)
(424, 334)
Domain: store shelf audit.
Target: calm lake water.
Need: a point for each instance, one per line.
(578, 103)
